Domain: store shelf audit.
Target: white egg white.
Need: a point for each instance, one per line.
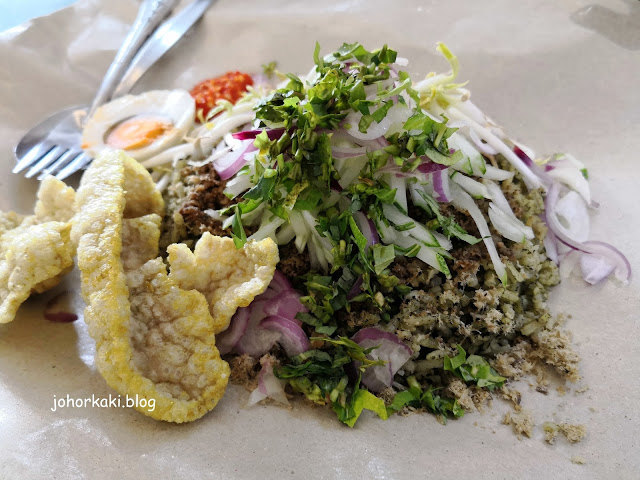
(175, 107)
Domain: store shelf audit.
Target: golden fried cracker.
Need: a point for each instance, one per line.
(33, 260)
(153, 338)
(228, 277)
(35, 251)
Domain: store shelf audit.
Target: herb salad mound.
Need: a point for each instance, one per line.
(417, 242)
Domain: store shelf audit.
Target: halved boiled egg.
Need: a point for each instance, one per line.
(141, 125)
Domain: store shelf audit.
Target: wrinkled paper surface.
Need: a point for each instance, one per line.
(558, 75)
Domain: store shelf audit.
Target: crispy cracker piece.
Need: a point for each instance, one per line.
(153, 339)
(35, 251)
(228, 277)
(140, 240)
(56, 201)
(141, 195)
(9, 221)
(32, 260)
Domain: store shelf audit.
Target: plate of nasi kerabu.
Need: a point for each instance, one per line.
(332, 241)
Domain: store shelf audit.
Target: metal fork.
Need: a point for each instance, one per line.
(53, 145)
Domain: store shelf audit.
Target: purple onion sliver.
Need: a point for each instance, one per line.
(623, 269)
(374, 333)
(227, 340)
(429, 167)
(356, 289)
(375, 238)
(262, 388)
(273, 134)
(438, 185)
(367, 228)
(536, 169)
(293, 339)
(280, 282)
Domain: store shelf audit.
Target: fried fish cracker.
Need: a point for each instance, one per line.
(32, 260)
(141, 195)
(56, 201)
(140, 240)
(36, 250)
(228, 277)
(153, 338)
(9, 221)
(173, 346)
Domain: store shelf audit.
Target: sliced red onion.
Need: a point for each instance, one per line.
(280, 282)
(273, 134)
(292, 337)
(57, 309)
(595, 268)
(367, 228)
(228, 165)
(428, 166)
(227, 340)
(356, 289)
(269, 386)
(573, 210)
(256, 341)
(285, 304)
(551, 246)
(441, 185)
(622, 265)
(61, 317)
(572, 178)
(390, 349)
(533, 166)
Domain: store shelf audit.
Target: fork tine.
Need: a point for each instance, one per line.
(38, 151)
(46, 160)
(72, 167)
(64, 159)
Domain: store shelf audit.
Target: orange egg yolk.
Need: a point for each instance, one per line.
(137, 133)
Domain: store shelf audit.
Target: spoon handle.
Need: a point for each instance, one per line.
(150, 14)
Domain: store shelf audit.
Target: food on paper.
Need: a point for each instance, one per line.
(152, 338)
(418, 242)
(359, 239)
(35, 251)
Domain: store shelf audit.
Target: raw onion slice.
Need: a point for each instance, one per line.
(441, 185)
(622, 267)
(390, 349)
(285, 304)
(228, 165)
(430, 167)
(227, 340)
(595, 268)
(272, 133)
(367, 228)
(256, 341)
(269, 386)
(291, 336)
